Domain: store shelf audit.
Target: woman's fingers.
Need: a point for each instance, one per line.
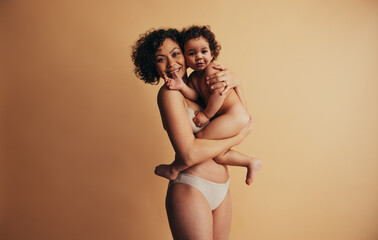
(219, 67)
(215, 77)
(226, 89)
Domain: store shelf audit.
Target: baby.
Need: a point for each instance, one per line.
(227, 113)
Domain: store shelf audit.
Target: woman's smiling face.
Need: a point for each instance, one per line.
(169, 59)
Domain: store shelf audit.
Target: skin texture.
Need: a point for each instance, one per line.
(188, 211)
(198, 54)
(232, 115)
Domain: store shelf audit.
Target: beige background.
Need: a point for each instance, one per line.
(80, 134)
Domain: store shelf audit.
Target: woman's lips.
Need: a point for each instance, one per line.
(170, 73)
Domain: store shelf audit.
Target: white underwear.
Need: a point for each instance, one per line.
(214, 193)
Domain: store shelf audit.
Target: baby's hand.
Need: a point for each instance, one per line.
(174, 83)
(200, 119)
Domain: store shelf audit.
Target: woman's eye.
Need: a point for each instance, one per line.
(159, 60)
(175, 54)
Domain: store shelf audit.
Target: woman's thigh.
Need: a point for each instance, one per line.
(189, 213)
(222, 219)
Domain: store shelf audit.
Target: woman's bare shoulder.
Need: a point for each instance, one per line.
(173, 114)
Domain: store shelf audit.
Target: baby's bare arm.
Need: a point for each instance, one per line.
(214, 104)
(177, 83)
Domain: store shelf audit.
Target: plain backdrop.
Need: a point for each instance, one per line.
(81, 135)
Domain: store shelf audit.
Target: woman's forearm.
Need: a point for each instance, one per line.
(191, 150)
(204, 149)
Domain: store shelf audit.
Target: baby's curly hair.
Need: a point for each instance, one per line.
(195, 31)
(143, 52)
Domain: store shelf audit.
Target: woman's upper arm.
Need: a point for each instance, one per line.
(175, 120)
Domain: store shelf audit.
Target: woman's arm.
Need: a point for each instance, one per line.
(189, 149)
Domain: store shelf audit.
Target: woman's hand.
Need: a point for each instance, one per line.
(223, 78)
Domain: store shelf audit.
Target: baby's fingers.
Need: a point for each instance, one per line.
(165, 77)
(195, 120)
(174, 75)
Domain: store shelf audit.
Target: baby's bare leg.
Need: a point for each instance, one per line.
(235, 158)
(227, 125)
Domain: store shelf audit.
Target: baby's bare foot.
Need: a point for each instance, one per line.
(166, 171)
(253, 167)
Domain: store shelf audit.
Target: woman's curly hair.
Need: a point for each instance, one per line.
(195, 31)
(144, 50)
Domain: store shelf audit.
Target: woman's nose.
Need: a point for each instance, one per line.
(169, 62)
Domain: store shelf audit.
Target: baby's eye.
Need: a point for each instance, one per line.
(191, 54)
(204, 51)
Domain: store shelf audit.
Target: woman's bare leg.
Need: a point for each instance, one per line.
(189, 213)
(222, 219)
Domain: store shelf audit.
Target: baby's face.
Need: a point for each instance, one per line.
(197, 53)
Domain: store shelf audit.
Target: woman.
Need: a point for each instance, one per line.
(157, 53)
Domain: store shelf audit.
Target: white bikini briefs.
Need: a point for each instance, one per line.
(215, 193)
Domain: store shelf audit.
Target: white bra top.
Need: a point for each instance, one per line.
(191, 116)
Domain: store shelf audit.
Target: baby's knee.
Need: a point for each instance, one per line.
(242, 120)
(221, 158)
